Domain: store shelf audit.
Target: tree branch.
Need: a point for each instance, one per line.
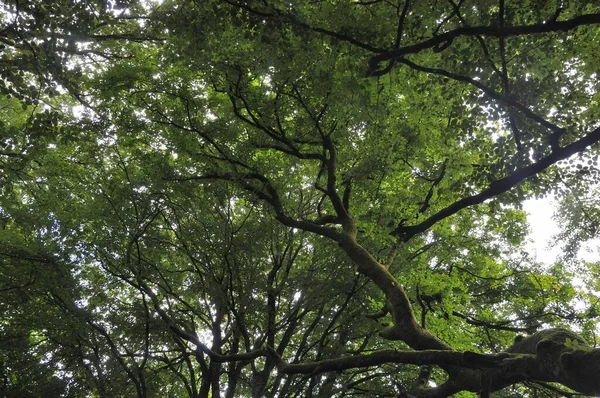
(498, 187)
(269, 194)
(492, 31)
(489, 91)
(425, 357)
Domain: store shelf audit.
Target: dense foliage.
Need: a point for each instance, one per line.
(226, 198)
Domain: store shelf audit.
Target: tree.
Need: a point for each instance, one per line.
(227, 198)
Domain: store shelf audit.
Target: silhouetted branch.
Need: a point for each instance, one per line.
(501, 186)
(491, 31)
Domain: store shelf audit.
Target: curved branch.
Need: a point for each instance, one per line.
(426, 203)
(490, 92)
(406, 232)
(332, 192)
(276, 13)
(492, 31)
(269, 194)
(425, 357)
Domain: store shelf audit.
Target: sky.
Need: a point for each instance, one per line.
(543, 227)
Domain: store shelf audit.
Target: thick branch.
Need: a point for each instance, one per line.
(501, 186)
(492, 31)
(426, 357)
(406, 327)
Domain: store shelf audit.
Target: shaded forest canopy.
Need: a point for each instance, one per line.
(230, 198)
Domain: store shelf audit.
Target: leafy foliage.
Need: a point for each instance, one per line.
(225, 198)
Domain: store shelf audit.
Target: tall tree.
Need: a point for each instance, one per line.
(221, 198)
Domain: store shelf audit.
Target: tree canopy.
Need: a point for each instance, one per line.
(240, 198)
